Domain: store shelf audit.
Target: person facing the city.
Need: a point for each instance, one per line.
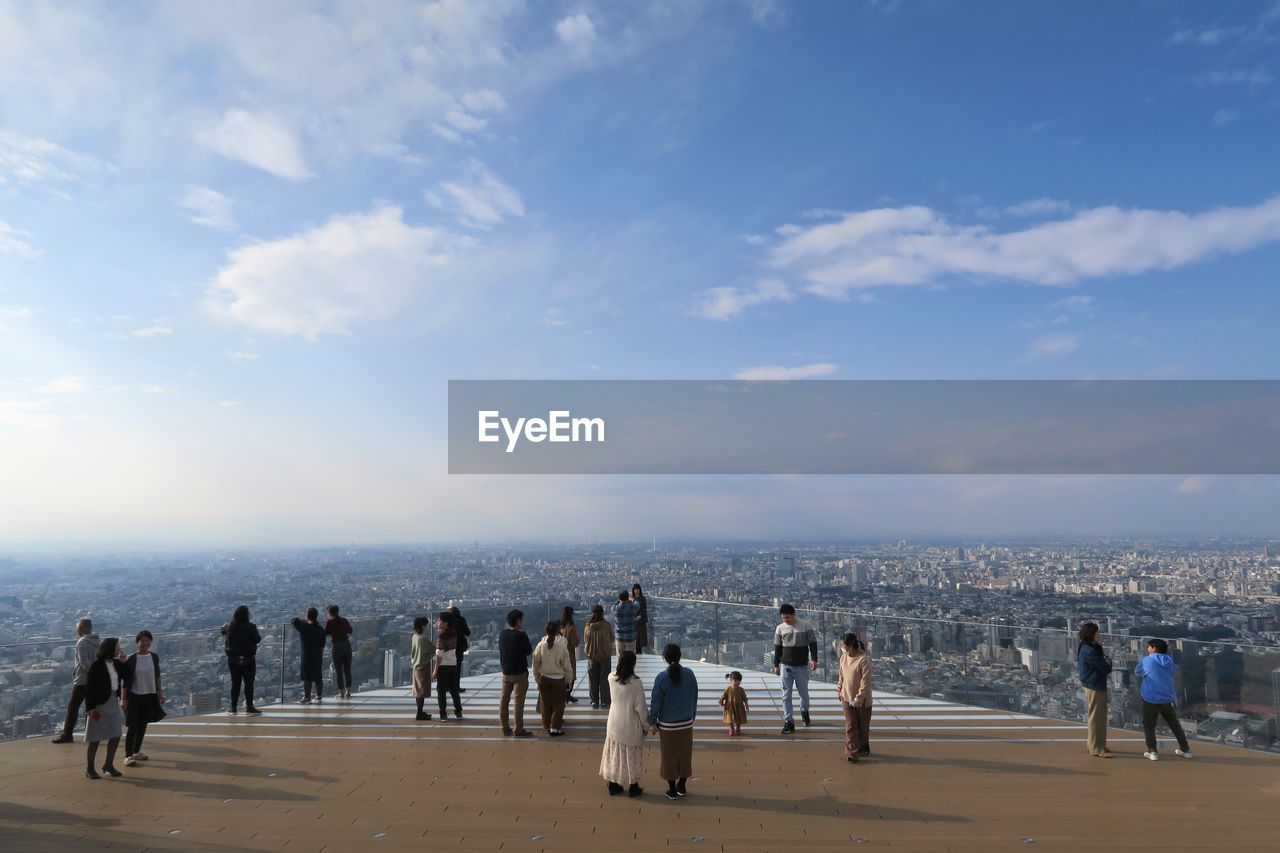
(551, 669)
(795, 655)
(447, 673)
(311, 637)
(854, 687)
(569, 631)
(86, 652)
(338, 630)
(624, 622)
(463, 631)
(597, 645)
(514, 649)
(642, 617)
(241, 645)
(673, 707)
(622, 763)
(422, 652)
(1095, 668)
(143, 696)
(102, 704)
(734, 702)
(1156, 671)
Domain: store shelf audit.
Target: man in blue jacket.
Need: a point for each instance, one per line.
(1156, 671)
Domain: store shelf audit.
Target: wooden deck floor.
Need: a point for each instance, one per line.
(362, 775)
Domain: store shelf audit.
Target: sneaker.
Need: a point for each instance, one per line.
(523, 733)
(252, 711)
(305, 700)
(1185, 753)
(672, 794)
(422, 715)
(572, 698)
(680, 789)
(130, 761)
(1150, 756)
(507, 733)
(63, 739)
(319, 699)
(141, 756)
(804, 715)
(595, 706)
(788, 728)
(556, 733)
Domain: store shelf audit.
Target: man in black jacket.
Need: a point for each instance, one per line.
(514, 649)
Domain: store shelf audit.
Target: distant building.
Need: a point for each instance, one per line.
(389, 668)
(204, 701)
(786, 567)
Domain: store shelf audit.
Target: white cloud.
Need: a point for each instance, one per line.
(725, 303)
(152, 332)
(1078, 303)
(16, 313)
(917, 245)
(1258, 76)
(484, 101)
(1054, 346)
(1207, 37)
(238, 355)
(208, 207)
(156, 389)
(261, 141)
(14, 242)
(65, 385)
(358, 267)
(765, 11)
(1039, 207)
(395, 151)
(229, 404)
(480, 199)
(804, 371)
(1225, 116)
(31, 160)
(464, 122)
(577, 33)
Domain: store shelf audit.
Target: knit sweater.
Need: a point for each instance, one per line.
(855, 679)
(628, 716)
(552, 661)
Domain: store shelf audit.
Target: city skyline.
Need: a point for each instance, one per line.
(242, 251)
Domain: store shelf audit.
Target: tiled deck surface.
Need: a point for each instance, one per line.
(362, 775)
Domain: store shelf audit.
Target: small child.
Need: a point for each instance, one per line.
(734, 703)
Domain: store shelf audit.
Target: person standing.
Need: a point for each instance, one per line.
(1156, 671)
(102, 704)
(514, 649)
(1095, 669)
(795, 655)
(734, 702)
(241, 646)
(623, 760)
(463, 632)
(143, 696)
(569, 631)
(338, 630)
(642, 618)
(854, 687)
(422, 653)
(311, 638)
(86, 653)
(624, 622)
(550, 672)
(446, 673)
(597, 645)
(673, 707)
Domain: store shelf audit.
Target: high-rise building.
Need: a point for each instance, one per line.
(1275, 692)
(204, 701)
(389, 668)
(858, 576)
(786, 567)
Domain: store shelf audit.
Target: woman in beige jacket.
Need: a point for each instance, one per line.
(551, 672)
(855, 697)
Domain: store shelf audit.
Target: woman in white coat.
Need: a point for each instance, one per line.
(622, 764)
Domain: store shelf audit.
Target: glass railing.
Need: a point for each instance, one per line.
(1227, 692)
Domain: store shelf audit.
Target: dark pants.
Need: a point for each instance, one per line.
(142, 707)
(1151, 713)
(244, 671)
(551, 693)
(857, 728)
(598, 681)
(342, 664)
(73, 708)
(447, 682)
(312, 668)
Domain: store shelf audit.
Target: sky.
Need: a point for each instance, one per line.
(243, 248)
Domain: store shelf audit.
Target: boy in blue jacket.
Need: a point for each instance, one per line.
(1156, 671)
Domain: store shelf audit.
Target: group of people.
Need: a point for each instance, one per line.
(439, 661)
(121, 695)
(1156, 670)
(313, 636)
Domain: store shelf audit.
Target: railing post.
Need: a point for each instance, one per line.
(717, 612)
(284, 644)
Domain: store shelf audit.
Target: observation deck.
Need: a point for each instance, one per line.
(362, 775)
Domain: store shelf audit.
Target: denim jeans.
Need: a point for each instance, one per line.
(797, 676)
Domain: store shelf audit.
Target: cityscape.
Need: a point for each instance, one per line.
(982, 623)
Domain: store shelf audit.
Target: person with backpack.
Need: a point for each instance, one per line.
(1156, 671)
(1095, 669)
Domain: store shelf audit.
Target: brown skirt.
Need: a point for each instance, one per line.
(677, 753)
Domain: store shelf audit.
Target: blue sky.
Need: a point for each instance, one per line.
(241, 252)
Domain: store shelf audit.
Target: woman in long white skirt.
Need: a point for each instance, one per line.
(622, 764)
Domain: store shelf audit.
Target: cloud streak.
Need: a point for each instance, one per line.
(804, 371)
